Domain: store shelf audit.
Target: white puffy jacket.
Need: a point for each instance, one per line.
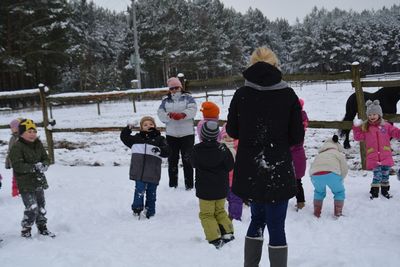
(180, 103)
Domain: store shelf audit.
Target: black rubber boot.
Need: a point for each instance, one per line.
(374, 192)
(385, 191)
(26, 232)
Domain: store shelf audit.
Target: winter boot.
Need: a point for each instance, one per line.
(252, 251)
(137, 211)
(227, 238)
(278, 256)
(43, 230)
(374, 192)
(317, 207)
(26, 232)
(385, 191)
(338, 205)
(218, 243)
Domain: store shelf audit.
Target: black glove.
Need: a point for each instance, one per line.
(156, 150)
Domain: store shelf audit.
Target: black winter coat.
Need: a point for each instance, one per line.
(212, 162)
(145, 161)
(265, 115)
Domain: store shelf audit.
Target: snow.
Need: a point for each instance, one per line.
(89, 198)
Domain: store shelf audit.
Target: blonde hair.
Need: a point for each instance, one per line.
(365, 125)
(265, 55)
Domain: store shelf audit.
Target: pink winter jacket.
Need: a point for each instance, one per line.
(377, 142)
(232, 144)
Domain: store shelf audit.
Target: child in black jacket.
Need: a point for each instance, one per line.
(148, 147)
(212, 162)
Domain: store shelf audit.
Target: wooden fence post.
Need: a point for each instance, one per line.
(134, 104)
(98, 108)
(49, 134)
(356, 76)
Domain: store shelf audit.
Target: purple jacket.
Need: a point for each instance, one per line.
(377, 142)
(299, 160)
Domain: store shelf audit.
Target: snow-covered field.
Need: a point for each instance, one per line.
(89, 200)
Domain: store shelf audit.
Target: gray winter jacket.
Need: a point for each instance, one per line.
(13, 140)
(180, 103)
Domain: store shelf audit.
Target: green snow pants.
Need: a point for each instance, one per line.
(214, 219)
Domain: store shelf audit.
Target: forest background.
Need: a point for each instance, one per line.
(78, 46)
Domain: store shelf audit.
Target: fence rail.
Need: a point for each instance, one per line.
(99, 97)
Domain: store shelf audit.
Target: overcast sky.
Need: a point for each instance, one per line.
(288, 9)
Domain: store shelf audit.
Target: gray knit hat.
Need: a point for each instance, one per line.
(373, 108)
(209, 131)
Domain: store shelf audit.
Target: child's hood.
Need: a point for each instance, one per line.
(329, 144)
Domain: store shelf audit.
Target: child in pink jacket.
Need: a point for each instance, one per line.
(235, 203)
(376, 133)
(299, 161)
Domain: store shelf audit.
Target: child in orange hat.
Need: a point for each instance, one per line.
(210, 112)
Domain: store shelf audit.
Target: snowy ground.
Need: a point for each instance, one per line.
(89, 206)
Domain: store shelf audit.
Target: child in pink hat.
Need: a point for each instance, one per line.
(14, 124)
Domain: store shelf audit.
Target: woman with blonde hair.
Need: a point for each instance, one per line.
(265, 115)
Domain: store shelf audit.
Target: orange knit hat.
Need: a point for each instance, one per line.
(210, 110)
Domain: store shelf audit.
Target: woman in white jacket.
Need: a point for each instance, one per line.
(177, 110)
(329, 169)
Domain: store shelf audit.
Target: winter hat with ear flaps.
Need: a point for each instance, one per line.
(373, 108)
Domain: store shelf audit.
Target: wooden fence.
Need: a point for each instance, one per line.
(47, 101)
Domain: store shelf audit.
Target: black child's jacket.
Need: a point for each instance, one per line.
(212, 162)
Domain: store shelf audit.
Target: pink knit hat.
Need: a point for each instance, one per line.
(301, 102)
(14, 123)
(174, 82)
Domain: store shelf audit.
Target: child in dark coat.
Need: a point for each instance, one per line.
(148, 147)
(299, 161)
(212, 162)
(29, 161)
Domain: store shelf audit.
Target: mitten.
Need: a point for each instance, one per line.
(40, 167)
(181, 116)
(172, 115)
(156, 150)
(357, 122)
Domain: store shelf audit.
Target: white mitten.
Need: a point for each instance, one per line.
(357, 122)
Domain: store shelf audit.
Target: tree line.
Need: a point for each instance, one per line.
(78, 46)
